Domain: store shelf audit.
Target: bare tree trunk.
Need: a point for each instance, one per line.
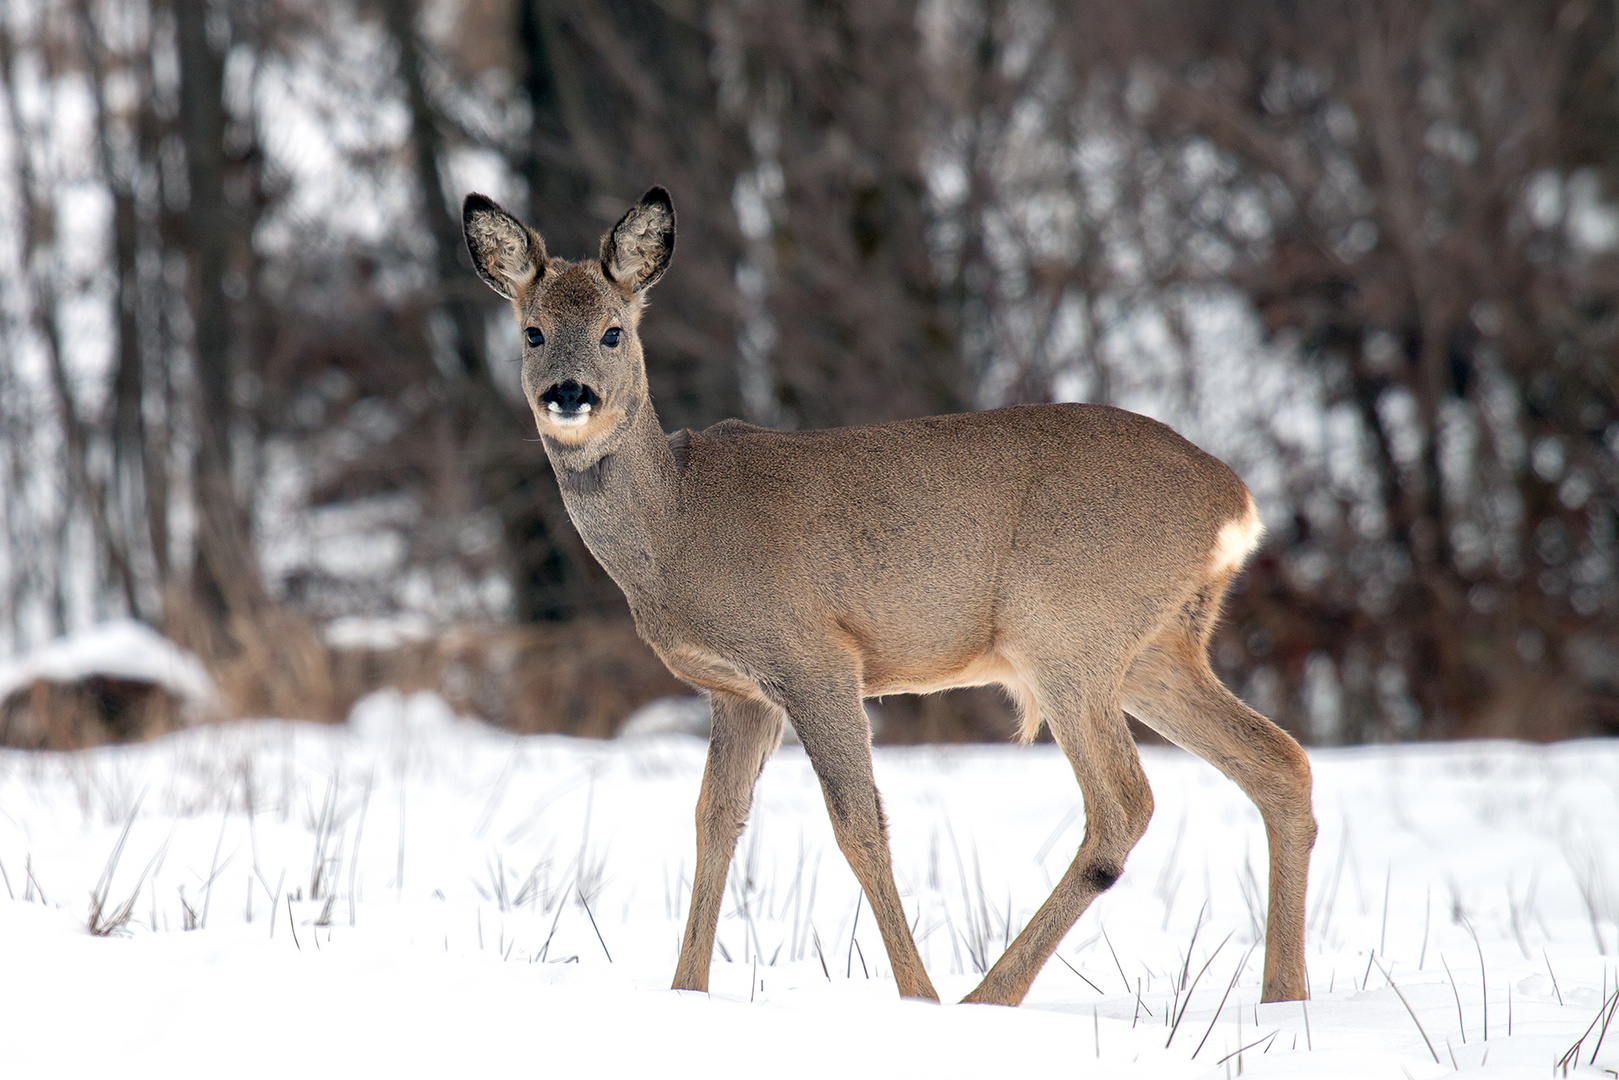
(224, 576)
(153, 300)
(866, 332)
(558, 170)
(427, 147)
(21, 572)
(130, 461)
(268, 662)
(43, 311)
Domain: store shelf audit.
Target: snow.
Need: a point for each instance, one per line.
(415, 894)
(358, 632)
(667, 716)
(124, 649)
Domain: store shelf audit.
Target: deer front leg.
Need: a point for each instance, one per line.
(744, 734)
(837, 737)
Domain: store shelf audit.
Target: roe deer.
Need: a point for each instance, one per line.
(1077, 555)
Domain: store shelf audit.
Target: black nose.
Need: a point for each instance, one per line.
(570, 397)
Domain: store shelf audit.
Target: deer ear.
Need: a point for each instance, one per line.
(637, 250)
(509, 256)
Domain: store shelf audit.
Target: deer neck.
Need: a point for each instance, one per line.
(621, 494)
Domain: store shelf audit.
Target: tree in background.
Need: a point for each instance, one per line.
(1428, 260)
(1362, 251)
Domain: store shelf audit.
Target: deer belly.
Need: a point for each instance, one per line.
(881, 678)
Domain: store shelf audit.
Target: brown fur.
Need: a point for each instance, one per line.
(1074, 554)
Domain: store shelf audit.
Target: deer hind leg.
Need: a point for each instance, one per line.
(837, 737)
(744, 735)
(1090, 728)
(1172, 690)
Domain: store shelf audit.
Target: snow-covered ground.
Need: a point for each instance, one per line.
(416, 895)
(124, 649)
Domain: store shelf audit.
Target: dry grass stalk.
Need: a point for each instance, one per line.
(104, 921)
(266, 660)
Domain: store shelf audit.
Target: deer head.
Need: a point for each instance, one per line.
(584, 374)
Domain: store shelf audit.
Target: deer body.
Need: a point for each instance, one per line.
(929, 545)
(1075, 554)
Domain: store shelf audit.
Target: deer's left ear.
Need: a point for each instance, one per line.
(636, 252)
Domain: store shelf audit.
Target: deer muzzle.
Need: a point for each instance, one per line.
(570, 402)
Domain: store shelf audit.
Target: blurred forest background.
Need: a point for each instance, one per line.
(252, 395)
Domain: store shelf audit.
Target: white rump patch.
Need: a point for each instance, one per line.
(1237, 540)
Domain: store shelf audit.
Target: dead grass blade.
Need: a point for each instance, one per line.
(102, 921)
(1235, 975)
(1420, 1029)
(1187, 1001)
(1605, 1011)
(1242, 1049)
(1076, 971)
(594, 927)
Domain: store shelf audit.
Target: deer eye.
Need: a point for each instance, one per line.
(610, 339)
(534, 338)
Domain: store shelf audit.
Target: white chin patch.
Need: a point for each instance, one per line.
(568, 419)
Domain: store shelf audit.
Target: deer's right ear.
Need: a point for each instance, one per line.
(508, 255)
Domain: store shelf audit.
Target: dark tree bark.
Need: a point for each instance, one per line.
(866, 332)
(131, 483)
(427, 148)
(268, 661)
(225, 577)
